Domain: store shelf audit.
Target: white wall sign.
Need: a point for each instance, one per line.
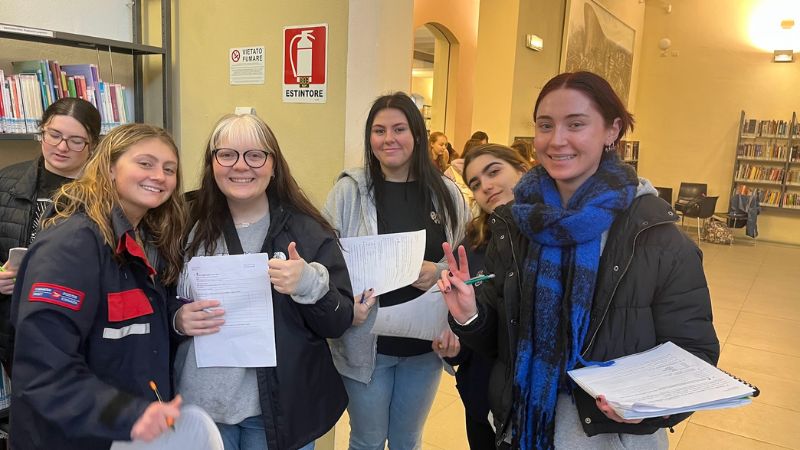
(247, 65)
(305, 64)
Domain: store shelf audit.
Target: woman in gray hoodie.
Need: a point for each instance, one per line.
(391, 382)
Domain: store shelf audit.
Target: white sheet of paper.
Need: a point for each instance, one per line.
(240, 283)
(662, 381)
(194, 429)
(425, 318)
(384, 262)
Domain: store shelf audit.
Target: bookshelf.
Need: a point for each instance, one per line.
(768, 161)
(45, 44)
(629, 153)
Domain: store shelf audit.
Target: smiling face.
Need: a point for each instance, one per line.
(570, 136)
(145, 176)
(240, 183)
(59, 159)
(491, 181)
(392, 143)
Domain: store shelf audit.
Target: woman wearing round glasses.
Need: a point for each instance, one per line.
(248, 202)
(70, 129)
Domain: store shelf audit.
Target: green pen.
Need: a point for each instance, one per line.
(474, 280)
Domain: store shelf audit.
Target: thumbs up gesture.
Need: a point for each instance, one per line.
(285, 274)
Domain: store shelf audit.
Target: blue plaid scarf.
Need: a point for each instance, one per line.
(561, 271)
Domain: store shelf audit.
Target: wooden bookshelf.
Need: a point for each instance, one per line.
(768, 162)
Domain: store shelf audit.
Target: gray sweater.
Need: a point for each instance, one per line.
(350, 208)
(230, 394)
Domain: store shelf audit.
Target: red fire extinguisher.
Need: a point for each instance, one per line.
(302, 46)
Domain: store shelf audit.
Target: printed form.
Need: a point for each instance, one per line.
(384, 262)
(241, 284)
(424, 318)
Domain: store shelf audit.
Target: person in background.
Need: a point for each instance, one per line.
(455, 171)
(480, 136)
(70, 130)
(451, 152)
(391, 381)
(91, 306)
(491, 171)
(524, 150)
(249, 202)
(438, 150)
(590, 267)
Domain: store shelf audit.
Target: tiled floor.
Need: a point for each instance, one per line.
(755, 290)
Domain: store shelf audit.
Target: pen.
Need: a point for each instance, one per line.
(170, 420)
(363, 297)
(184, 300)
(474, 280)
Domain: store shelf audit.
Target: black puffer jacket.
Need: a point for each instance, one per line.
(17, 201)
(650, 289)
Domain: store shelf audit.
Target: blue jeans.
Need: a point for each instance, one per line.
(248, 434)
(394, 404)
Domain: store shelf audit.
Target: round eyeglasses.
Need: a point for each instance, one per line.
(54, 138)
(227, 157)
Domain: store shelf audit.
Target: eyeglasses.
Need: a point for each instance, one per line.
(54, 138)
(227, 157)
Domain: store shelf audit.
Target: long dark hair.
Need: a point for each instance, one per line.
(211, 206)
(478, 227)
(422, 168)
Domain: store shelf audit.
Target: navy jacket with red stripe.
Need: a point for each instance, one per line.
(91, 332)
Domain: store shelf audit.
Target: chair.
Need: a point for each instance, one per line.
(665, 193)
(705, 211)
(689, 191)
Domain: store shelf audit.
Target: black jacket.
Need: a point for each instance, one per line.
(650, 289)
(17, 206)
(304, 396)
(92, 331)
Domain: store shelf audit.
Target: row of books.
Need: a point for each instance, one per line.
(791, 200)
(769, 128)
(37, 84)
(794, 154)
(793, 176)
(770, 197)
(760, 173)
(762, 151)
(629, 150)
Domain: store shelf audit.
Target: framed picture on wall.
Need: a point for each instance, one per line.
(597, 41)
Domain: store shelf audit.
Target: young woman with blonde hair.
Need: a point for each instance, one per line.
(249, 202)
(90, 304)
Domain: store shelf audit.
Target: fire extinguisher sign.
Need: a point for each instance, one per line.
(305, 64)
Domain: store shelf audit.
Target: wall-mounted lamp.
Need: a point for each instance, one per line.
(783, 56)
(534, 42)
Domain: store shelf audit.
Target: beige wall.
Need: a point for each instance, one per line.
(459, 17)
(494, 72)
(379, 52)
(689, 104)
(310, 135)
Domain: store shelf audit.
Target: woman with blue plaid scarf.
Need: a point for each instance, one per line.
(589, 267)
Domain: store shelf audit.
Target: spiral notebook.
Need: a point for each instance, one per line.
(662, 381)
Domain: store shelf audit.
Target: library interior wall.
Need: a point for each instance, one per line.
(310, 135)
(459, 17)
(689, 105)
(494, 68)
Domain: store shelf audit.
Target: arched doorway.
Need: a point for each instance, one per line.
(432, 75)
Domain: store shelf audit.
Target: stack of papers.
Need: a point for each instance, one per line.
(662, 381)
